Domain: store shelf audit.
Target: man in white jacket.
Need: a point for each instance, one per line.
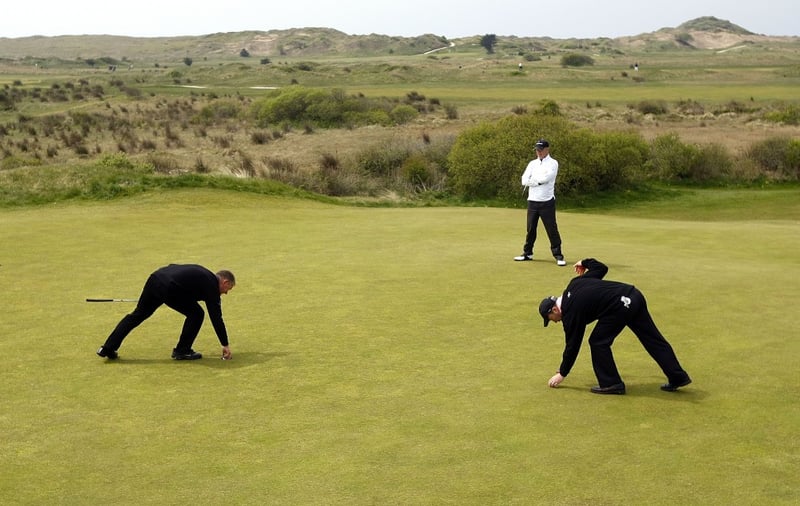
(540, 179)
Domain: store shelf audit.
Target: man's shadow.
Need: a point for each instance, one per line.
(238, 361)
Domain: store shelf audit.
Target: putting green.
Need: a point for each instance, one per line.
(389, 356)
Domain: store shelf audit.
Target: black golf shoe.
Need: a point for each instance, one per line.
(106, 353)
(186, 355)
(618, 389)
(673, 387)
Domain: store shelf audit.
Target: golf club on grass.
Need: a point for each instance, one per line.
(112, 300)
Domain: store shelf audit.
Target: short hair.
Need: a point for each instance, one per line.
(227, 275)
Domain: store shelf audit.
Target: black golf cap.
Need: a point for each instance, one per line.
(545, 307)
(542, 143)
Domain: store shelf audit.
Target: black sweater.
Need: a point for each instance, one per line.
(195, 283)
(587, 298)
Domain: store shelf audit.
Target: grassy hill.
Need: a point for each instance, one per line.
(705, 33)
(187, 104)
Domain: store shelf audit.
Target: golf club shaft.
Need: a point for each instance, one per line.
(112, 300)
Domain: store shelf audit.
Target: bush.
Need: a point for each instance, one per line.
(116, 161)
(549, 107)
(590, 162)
(691, 107)
(670, 159)
(260, 137)
(790, 115)
(576, 60)
(298, 105)
(329, 109)
(382, 161)
(778, 156)
(712, 163)
(654, 107)
(218, 112)
(416, 171)
(164, 163)
(403, 114)
(486, 161)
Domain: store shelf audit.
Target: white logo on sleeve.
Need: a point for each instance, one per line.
(626, 301)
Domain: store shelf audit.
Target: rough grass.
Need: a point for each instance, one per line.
(391, 356)
(478, 86)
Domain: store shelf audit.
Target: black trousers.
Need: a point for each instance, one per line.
(547, 212)
(154, 294)
(636, 317)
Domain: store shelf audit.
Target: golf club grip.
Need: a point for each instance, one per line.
(112, 300)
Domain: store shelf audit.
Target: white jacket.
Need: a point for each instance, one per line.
(540, 178)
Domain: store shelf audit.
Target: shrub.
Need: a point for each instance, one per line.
(778, 156)
(654, 107)
(416, 171)
(549, 107)
(487, 161)
(301, 106)
(292, 105)
(790, 115)
(116, 161)
(245, 166)
(590, 162)
(260, 137)
(329, 162)
(691, 107)
(670, 159)
(149, 145)
(712, 163)
(382, 161)
(372, 117)
(451, 111)
(576, 60)
(200, 166)
(164, 163)
(402, 114)
(218, 112)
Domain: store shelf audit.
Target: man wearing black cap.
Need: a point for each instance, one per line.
(614, 305)
(540, 180)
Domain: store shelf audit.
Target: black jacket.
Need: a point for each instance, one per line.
(193, 283)
(588, 298)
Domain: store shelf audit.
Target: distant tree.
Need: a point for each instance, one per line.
(187, 61)
(244, 53)
(488, 42)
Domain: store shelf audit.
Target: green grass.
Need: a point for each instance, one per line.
(392, 356)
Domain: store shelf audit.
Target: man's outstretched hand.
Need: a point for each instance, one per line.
(555, 380)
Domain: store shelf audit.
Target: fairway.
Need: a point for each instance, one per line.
(390, 356)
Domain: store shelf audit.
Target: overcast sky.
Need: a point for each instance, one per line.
(558, 19)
